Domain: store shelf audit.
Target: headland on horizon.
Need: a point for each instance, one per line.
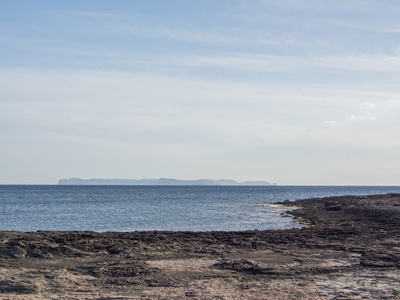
(160, 181)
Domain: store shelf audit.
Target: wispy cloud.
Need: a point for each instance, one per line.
(329, 7)
(221, 59)
(385, 64)
(95, 14)
(232, 37)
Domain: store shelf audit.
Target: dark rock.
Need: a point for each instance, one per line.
(9, 286)
(12, 252)
(130, 269)
(116, 250)
(334, 208)
(242, 265)
(191, 294)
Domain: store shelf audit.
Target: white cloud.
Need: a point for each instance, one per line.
(332, 123)
(361, 118)
(368, 105)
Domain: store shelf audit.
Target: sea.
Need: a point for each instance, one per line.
(163, 208)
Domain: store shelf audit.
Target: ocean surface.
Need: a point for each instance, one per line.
(142, 208)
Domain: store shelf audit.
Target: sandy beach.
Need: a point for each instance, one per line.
(349, 248)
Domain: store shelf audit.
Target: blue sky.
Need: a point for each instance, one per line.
(293, 92)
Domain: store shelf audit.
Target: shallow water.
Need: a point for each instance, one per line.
(130, 208)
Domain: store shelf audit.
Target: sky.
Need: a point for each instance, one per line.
(297, 92)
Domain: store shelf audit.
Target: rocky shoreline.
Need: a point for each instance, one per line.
(349, 248)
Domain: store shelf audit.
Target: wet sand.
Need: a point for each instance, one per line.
(348, 249)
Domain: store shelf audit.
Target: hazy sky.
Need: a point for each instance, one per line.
(287, 91)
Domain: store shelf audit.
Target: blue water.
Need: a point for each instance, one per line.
(130, 208)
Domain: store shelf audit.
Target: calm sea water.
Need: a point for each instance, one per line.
(130, 208)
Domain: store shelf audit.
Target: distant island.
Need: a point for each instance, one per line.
(160, 181)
